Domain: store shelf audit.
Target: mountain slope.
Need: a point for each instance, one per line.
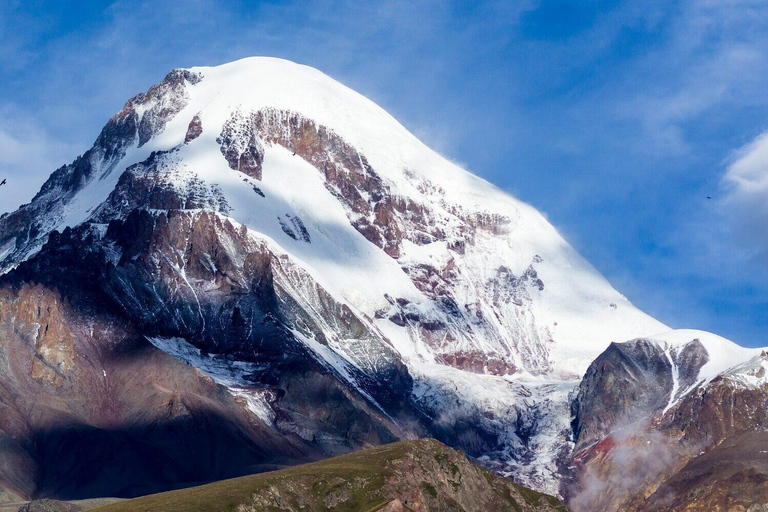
(411, 475)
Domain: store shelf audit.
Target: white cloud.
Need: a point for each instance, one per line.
(746, 203)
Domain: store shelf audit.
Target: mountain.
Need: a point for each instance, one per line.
(409, 475)
(355, 200)
(255, 266)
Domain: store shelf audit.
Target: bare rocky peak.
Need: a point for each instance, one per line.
(647, 415)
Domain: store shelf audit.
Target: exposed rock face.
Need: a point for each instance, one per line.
(161, 103)
(416, 475)
(627, 382)
(194, 130)
(347, 173)
(156, 184)
(240, 146)
(110, 405)
(631, 381)
(46, 505)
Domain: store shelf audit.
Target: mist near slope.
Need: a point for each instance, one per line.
(632, 460)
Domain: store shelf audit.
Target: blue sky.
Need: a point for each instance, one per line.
(616, 119)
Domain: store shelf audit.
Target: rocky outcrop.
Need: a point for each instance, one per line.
(346, 171)
(161, 103)
(627, 382)
(652, 433)
(632, 381)
(46, 505)
(241, 147)
(194, 130)
(156, 184)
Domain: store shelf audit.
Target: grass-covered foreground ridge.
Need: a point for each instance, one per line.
(409, 475)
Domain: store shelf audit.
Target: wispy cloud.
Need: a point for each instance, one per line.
(28, 154)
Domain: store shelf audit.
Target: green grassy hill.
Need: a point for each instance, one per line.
(409, 475)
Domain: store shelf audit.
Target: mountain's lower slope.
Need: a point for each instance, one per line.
(731, 476)
(411, 475)
(92, 408)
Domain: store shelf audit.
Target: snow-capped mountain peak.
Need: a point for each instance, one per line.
(392, 231)
(267, 225)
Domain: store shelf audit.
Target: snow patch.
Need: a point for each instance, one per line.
(233, 375)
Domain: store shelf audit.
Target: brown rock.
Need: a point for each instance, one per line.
(194, 130)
